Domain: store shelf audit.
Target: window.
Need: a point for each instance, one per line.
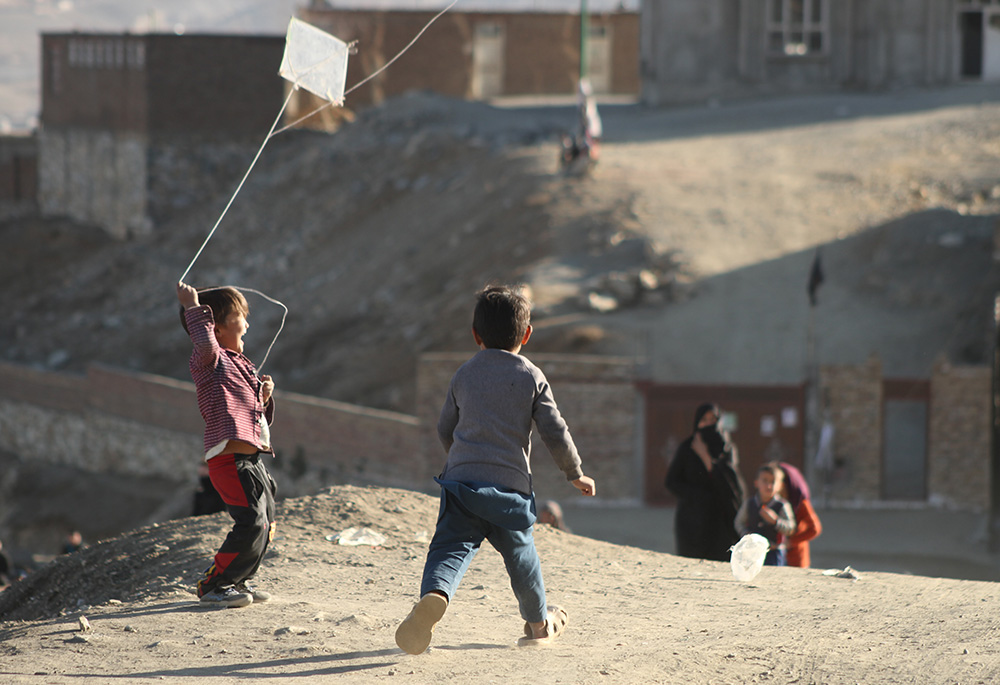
(797, 27)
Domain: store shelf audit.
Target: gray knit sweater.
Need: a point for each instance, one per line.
(485, 424)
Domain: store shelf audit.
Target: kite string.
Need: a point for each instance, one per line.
(370, 76)
(270, 134)
(240, 186)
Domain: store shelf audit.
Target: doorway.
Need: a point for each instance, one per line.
(979, 31)
(487, 61)
(904, 446)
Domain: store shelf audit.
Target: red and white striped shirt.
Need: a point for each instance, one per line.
(227, 386)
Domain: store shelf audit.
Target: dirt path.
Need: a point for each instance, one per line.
(635, 616)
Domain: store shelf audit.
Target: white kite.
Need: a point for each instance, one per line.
(315, 60)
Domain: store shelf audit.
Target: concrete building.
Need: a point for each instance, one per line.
(136, 126)
(484, 48)
(698, 49)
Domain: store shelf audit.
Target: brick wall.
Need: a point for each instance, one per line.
(853, 397)
(225, 84)
(541, 51)
(597, 397)
(220, 84)
(94, 81)
(959, 449)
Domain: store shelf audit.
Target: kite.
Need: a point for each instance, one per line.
(317, 62)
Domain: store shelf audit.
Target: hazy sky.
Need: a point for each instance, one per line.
(21, 22)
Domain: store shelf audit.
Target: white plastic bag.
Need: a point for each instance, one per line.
(748, 556)
(358, 536)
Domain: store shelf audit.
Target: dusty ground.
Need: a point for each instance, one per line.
(635, 616)
(377, 237)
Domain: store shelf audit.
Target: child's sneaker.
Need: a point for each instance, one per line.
(258, 595)
(414, 634)
(226, 597)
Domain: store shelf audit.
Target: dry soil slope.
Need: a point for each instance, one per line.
(636, 616)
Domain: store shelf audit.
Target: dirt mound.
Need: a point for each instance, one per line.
(635, 616)
(376, 238)
(164, 559)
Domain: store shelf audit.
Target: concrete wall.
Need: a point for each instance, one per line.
(696, 49)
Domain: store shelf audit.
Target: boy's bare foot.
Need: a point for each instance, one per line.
(413, 635)
(545, 633)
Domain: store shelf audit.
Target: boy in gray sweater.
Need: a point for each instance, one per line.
(486, 494)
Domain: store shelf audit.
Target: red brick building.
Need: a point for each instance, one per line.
(484, 48)
(131, 125)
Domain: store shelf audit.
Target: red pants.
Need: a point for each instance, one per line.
(248, 491)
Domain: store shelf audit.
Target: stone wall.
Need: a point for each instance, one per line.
(852, 396)
(94, 177)
(143, 425)
(958, 442)
(597, 397)
(959, 449)
(130, 423)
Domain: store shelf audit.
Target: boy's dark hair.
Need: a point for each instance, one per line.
(502, 316)
(773, 469)
(223, 302)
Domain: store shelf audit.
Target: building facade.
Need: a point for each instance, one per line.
(699, 49)
(484, 48)
(134, 126)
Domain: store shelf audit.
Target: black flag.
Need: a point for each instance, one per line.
(815, 279)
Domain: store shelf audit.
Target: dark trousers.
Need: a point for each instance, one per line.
(248, 491)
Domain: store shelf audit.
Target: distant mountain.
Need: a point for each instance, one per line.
(21, 22)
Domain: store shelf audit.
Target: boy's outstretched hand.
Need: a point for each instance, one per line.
(586, 485)
(186, 295)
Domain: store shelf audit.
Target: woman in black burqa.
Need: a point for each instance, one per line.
(704, 476)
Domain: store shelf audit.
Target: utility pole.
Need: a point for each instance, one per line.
(584, 36)
(995, 434)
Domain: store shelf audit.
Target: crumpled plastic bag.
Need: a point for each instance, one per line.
(848, 572)
(748, 556)
(358, 536)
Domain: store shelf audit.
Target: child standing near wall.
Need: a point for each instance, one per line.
(767, 514)
(237, 407)
(486, 493)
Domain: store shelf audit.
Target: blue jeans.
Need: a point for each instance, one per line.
(775, 557)
(459, 535)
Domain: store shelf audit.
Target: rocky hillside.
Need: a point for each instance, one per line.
(375, 238)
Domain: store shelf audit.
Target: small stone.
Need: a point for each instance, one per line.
(114, 602)
(292, 630)
(84, 624)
